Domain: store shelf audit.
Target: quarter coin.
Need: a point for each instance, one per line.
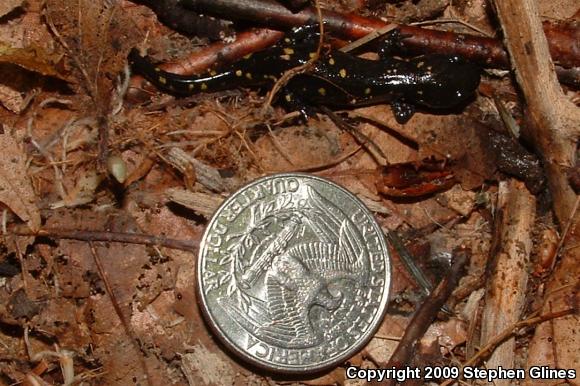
(293, 273)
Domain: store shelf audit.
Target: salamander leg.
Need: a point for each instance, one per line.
(292, 102)
(391, 43)
(403, 111)
(304, 33)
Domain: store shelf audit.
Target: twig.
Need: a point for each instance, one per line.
(118, 237)
(363, 139)
(563, 41)
(457, 21)
(171, 13)
(508, 332)
(326, 165)
(426, 314)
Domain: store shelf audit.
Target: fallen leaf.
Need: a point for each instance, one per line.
(32, 58)
(7, 6)
(15, 187)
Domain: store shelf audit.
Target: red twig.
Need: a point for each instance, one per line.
(564, 39)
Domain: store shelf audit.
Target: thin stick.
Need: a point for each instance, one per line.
(508, 332)
(426, 314)
(118, 237)
(505, 334)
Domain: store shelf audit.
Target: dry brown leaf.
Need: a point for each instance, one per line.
(7, 6)
(33, 58)
(15, 187)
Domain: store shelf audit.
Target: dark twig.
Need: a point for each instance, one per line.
(363, 140)
(484, 50)
(563, 39)
(172, 14)
(426, 314)
(118, 237)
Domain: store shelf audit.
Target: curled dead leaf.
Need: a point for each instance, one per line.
(32, 58)
(16, 190)
(8, 6)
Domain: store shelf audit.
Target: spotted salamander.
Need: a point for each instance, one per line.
(336, 80)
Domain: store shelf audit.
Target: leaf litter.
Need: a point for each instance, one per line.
(79, 312)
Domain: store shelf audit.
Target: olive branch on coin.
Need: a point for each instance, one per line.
(263, 216)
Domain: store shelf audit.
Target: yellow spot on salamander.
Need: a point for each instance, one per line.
(288, 98)
(213, 73)
(191, 86)
(248, 56)
(322, 91)
(239, 73)
(287, 40)
(367, 91)
(204, 86)
(285, 57)
(312, 55)
(162, 80)
(331, 61)
(248, 75)
(157, 69)
(288, 51)
(342, 73)
(420, 64)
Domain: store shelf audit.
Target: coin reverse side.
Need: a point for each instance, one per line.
(293, 273)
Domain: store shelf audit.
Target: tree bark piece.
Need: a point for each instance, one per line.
(505, 293)
(554, 129)
(554, 120)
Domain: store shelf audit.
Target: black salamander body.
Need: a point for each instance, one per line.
(337, 80)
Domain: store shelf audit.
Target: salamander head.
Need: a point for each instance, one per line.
(444, 81)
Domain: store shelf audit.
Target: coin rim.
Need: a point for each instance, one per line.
(284, 369)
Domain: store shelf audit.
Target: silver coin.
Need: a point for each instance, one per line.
(293, 273)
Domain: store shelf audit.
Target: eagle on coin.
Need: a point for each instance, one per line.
(304, 279)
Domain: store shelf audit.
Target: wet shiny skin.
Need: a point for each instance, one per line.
(337, 79)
